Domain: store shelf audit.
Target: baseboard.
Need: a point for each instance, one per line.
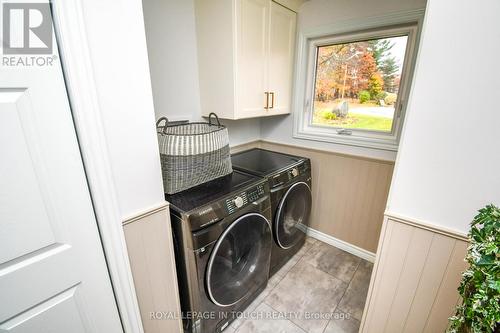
(352, 249)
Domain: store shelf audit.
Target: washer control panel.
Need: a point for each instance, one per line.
(242, 199)
(256, 193)
(239, 202)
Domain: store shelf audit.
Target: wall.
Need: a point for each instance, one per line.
(119, 58)
(171, 38)
(316, 13)
(446, 169)
(172, 51)
(349, 196)
(117, 43)
(415, 279)
(448, 165)
(352, 185)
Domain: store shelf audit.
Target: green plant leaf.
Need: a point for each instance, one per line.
(495, 284)
(486, 260)
(480, 284)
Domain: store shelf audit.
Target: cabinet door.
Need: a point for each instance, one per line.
(281, 58)
(252, 51)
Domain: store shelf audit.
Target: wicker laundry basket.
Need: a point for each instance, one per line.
(192, 153)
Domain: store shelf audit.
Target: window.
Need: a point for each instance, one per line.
(357, 83)
(357, 86)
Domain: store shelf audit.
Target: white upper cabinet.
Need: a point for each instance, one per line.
(245, 56)
(252, 57)
(281, 51)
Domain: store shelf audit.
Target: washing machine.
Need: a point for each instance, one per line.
(222, 241)
(289, 180)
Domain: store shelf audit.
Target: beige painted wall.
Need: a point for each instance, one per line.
(349, 194)
(416, 275)
(151, 254)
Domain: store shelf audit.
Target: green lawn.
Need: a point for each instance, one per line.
(354, 120)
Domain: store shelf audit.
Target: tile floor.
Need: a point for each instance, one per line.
(320, 290)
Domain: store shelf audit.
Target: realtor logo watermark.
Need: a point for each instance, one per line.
(27, 34)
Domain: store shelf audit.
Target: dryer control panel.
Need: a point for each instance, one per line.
(285, 176)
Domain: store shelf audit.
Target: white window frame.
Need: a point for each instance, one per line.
(392, 25)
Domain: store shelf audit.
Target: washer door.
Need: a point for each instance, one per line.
(292, 215)
(239, 261)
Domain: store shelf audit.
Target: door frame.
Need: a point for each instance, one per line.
(78, 72)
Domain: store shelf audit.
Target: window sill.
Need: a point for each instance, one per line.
(389, 144)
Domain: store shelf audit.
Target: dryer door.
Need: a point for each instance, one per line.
(292, 215)
(239, 262)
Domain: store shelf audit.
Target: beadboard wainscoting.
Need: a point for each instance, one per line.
(414, 283)
(150, 250)
(349, 196)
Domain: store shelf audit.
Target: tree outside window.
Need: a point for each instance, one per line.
(357, 84)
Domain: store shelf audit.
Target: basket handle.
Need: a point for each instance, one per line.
(210, 118)
(161, 129)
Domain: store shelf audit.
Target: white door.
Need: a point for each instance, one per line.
(252, 44)
(281, 51)
(53, 274)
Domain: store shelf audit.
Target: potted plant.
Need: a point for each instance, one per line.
(480, 285)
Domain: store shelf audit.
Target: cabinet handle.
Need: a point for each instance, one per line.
(272, 99)
(267, 100)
